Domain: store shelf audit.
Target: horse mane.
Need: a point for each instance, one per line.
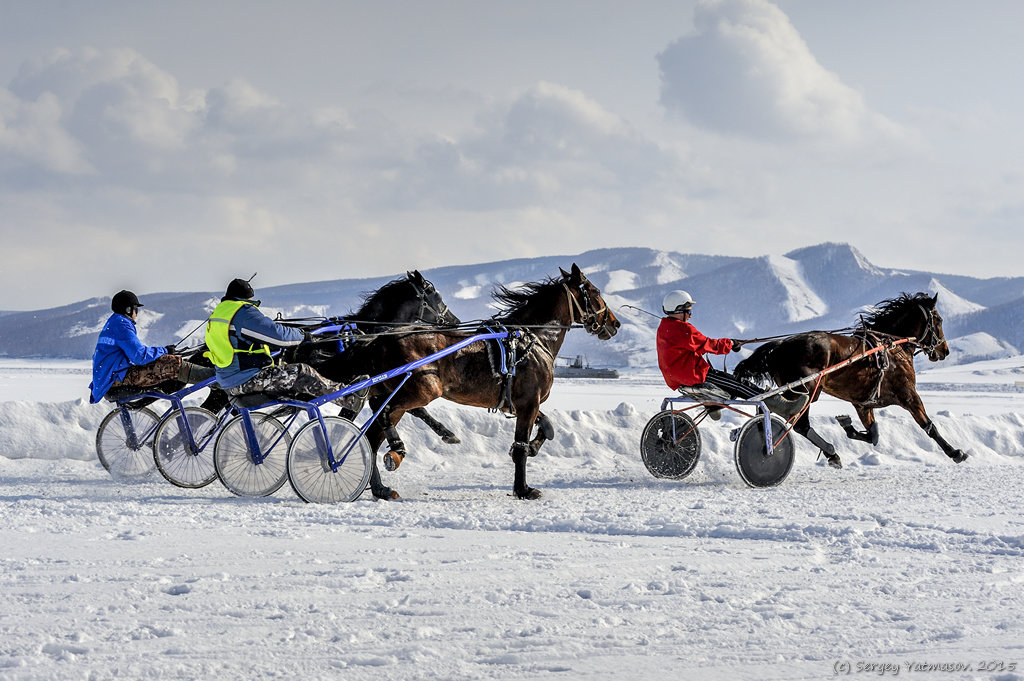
(369, 298)
(513, 301)
(886, 313)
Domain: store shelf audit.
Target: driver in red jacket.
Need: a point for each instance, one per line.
(681, 349)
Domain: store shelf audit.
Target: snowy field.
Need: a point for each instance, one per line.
(901, 559)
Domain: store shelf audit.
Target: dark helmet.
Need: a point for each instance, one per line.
(123, 301)
(240, 289)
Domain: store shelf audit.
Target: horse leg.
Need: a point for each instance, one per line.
(439, 428)
(396, 448)
(803, 426)
(916, 408)
(545, 432)
(521, 449)
(375, 436)
(867, 417)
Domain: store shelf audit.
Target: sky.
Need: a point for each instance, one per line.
(175, 146)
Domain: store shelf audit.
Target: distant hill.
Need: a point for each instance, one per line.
(819, 287)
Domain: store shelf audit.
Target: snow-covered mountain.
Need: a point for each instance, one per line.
(818, 287)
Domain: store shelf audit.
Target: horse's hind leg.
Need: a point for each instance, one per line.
(439, 428)
(803, 426)
(545, 432)
(867, 417)
(375, 436)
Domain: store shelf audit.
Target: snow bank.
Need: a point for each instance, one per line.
(600, 439)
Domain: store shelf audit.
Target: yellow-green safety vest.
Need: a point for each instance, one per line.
(220, 351)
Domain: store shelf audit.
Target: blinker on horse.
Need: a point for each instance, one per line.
(542, 314)
(867, 385)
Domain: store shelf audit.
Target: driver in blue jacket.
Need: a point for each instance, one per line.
(121, 359)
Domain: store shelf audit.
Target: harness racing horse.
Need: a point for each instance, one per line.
(403, 301)
(541, 313)
(866, 384)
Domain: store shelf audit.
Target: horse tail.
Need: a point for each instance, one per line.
(758, 367)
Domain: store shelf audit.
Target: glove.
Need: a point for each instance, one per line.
(736, 344)
(171, 350)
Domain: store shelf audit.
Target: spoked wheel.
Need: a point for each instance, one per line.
(124, 442)
(309, 469)
(670, 445)
(752, 461)
(173, 452)
(234, 462)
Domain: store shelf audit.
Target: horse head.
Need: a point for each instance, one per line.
(432, 309)
(911, 316)
(931, 338)
(595, 315)
(412, 300)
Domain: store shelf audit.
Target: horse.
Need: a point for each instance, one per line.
(542, 314)
(408, 300)
(866, 384)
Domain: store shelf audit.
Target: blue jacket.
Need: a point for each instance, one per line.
(117, 349)
(250, 326)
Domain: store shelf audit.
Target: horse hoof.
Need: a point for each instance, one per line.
(531, 493)
(835, 462)
(451, 440)
(386, 494)
(392, 460)
(959, 456)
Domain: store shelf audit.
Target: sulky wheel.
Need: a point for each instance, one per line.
(124, 442)
(752, 461)
(175, 457)
(310, 471)
(235, 465)
(670, 445)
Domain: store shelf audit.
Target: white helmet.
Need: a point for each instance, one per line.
(676, 302)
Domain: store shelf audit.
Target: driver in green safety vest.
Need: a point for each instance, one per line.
(240, 337)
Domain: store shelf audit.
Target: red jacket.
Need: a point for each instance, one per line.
(681, 349)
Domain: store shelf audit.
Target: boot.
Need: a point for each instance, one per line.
(352, 403)
(190, 373)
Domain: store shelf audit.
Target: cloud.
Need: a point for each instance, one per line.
(551, 143)
(746, 70)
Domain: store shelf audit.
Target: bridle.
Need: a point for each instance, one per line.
(930, 338)
(587, 312)
(426, 306)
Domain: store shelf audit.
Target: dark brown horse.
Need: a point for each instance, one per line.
(542, 313)
(883, 380)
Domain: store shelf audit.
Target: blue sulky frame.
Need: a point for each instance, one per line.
(334, 460)
(134, 441)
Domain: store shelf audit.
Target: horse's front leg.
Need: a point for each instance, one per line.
(396, 448)
(867, 417)
(916, 407)
(521, 449)
(545, 432)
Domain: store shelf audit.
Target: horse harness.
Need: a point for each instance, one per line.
(505, 355)
(927, 343)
